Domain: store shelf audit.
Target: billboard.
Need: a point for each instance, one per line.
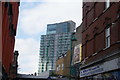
(77, 56)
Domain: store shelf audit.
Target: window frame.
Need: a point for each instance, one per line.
(107, 37)
(107, 4)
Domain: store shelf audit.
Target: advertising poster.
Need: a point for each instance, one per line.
(77, 54)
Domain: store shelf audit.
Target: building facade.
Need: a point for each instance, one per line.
(46, 53)
(101, 41)
(63, 27)
(63, 64)
(8, 25)
(54, 44)
(0, 40)
(77, 52)
(77, 56)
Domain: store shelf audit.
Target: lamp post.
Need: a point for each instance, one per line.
(72, 39)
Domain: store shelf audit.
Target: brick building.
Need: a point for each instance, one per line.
(0, 41)
(8, 18)
(101, 41)
(63, 64)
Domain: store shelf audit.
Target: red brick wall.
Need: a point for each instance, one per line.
(93, 37)
(8, 40)
(0, 31)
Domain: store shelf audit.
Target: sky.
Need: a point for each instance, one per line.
(34, 15)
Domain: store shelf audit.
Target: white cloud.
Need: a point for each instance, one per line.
(34, 20)
(28, 55)
(51, 0)
(29, 0)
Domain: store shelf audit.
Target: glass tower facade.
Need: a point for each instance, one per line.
(55, 43)
(63, 27)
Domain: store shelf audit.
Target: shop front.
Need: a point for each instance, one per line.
(109, 70)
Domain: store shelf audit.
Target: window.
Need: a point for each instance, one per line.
(118, 12)
(107, 4)
(62, 66)
(42, 67)
(59, 67)
(12, 30)
(107, 32)
(6, 4)
(10, 9)
(94, 13)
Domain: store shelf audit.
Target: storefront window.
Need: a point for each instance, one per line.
(115, 75)
(98, 77)
(112, 75)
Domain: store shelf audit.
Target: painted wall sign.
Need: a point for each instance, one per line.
(106, 66)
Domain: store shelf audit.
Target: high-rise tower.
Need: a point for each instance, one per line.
(55, 43)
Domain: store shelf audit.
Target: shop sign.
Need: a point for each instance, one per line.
(104, 67)
(93, 70)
